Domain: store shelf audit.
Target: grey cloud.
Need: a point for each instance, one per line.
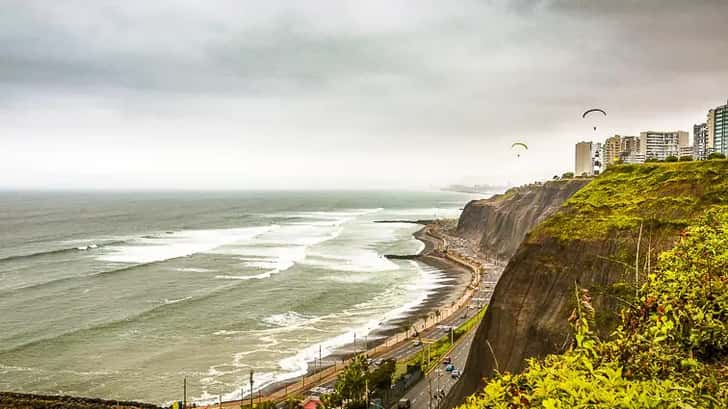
(353, 75)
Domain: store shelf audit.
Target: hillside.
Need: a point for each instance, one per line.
(497, 225)
(592, 241)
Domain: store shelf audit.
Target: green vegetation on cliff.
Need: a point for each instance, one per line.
(671, 349)
(657, 195)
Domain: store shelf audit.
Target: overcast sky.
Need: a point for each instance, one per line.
(340, 94)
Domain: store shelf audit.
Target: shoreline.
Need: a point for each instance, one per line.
(463, 278)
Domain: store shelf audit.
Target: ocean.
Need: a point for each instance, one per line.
(121, 295)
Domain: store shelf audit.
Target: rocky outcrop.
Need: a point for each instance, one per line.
(624, 217)
(498, 225)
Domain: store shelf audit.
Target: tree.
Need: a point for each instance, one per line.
(567, 175)
(381, 378)
(671, 158)
(294, 402)
(716, 155)
(686, 158)
(351, 384)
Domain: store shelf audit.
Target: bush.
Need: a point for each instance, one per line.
(567, 175)
(671, 159)
(716, 155)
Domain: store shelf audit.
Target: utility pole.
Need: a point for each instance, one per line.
(251, 389)
(321, 373)
(184, 393)
(439, 374)
(429, 392)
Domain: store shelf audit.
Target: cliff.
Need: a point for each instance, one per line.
(625, 216)
(498, 225)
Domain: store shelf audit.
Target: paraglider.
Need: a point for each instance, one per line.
(519, 145)
(592, 110)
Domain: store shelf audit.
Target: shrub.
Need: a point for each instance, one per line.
(716, 155)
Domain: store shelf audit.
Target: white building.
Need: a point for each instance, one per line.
(583, 159)
(633, 157)
(701, 147)
(660, 145)
(686, 151)
(588, 159)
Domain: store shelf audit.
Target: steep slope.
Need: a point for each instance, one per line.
(498, 225)
(592, 240)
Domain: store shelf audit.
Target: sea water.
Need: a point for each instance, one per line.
(122, 295)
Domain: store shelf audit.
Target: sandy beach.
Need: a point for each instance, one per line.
(460, 277)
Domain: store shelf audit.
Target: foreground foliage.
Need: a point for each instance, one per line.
(671, 350)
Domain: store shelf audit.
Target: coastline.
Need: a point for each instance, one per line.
(463, 276)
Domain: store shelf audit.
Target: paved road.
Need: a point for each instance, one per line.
(439, 378)
(406, 349)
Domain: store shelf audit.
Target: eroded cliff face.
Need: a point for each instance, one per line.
(594, 239)
(498, 225)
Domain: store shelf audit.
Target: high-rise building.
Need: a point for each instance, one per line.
(633, 158)
(630, 150)
(583, 161)
(701, 149)
(686, 151)
(629, 145)
(717, 128)
(660, 145)
(612, 150)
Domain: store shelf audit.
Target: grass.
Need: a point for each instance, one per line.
(657, 195)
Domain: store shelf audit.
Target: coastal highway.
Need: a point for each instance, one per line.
(439, 379)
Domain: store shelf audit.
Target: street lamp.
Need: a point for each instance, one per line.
(438, 371)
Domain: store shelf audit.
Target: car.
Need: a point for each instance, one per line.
(450, 367)
(447, 360)
(455, 374)
(379, 362)
(404, 403)
(417, 343)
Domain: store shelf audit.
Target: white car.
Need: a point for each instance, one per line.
(455, 373)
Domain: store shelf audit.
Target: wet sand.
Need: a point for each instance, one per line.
(460, 277)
